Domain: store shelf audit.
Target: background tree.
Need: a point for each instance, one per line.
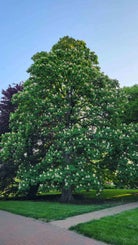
(7, 169)
(65, 115)
(120, 162)
(127, 171)
(6, 106)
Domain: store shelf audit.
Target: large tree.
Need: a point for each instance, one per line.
(66, 112)
(131, 108)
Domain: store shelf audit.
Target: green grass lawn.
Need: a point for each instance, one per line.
(120, 229)
(50, 210)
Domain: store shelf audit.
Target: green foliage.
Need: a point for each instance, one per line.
(123, 155)
(6, 106)
(64, 131)
(7, 168)
(131, 108)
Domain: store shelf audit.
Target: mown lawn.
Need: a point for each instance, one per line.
(120, 229)
(48, 210)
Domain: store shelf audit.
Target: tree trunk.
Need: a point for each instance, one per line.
(66, 195)
(32, 191)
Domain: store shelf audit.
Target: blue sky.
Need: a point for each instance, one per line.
(109, 27)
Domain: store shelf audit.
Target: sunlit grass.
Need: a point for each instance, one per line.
(120, 229)
(114, 195)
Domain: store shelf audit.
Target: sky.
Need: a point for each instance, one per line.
(109, 28)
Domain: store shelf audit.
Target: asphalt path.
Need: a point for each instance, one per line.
(19, 230)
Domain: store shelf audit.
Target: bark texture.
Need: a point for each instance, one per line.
(66, 195)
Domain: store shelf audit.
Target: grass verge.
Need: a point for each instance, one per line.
(48, 211)
(120, 229)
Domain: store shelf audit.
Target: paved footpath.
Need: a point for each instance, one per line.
(19, 230)
(82, 218)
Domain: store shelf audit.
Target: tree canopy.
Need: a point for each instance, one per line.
(131, 108)
(66, 122)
